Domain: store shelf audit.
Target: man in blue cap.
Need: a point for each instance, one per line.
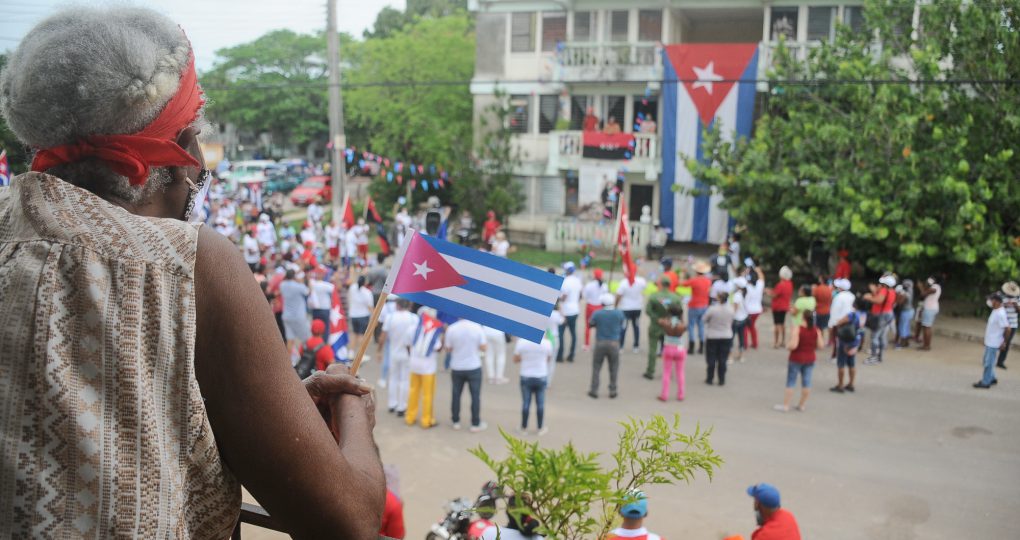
(634, 514)
(774, 523)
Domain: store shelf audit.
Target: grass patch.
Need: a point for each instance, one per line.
(544, 259)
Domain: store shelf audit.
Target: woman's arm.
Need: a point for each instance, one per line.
(818, 342)
(268, 430)
(794, 340)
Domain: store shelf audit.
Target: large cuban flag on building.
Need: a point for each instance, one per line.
(700, 90)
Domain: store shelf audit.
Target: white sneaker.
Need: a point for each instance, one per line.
(482, 426)
(635, 350)
(381, 383)
(521, 431)
(543, 431)
(456, 426)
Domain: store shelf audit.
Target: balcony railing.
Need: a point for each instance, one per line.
(581, 54)
(568, 234)
(566, 150)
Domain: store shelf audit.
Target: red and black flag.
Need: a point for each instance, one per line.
(605, 146)
(372, 216)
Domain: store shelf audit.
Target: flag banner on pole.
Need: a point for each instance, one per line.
(492, 291)
(347, 213)
(5, 169)
(372, 216)
(623, 241)
(338, 330)
(708, 97)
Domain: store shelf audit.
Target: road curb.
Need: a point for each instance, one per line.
(967, 336)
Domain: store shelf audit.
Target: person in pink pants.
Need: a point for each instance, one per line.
(673, 352)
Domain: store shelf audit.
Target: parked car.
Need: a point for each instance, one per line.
(247, 172)
(284, 182)
(312, 188)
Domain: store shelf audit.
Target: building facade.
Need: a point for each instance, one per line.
(572, 67)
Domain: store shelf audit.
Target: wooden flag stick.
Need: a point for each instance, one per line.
(368, 332)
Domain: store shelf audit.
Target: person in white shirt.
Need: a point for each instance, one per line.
(361, 241)
(464, 340)
(495, 356)
(552, 333)
(500, 245)
(534, 359)
(631, 300)
(315, 213)
(996, 332)
(360, 303)
(634, 514)
(308, 234)
(930, 293)
(752, 303)
(592, 294)
(320, 297)
(266, 232)
(570, 305)
(334, 233)
(740, 316)
(250, 248)
(350, 247)
(398, 334)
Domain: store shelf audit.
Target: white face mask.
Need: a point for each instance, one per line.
(205, 177)
(989, 304)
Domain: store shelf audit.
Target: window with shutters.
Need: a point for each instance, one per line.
(853, 16)
(584, 26)
(650, 25)
(618, 25)
(550, 195)
(784, 23)
(519, 116)
(554, 30)
(522, 32)
(578, 109)
(548, 113)
(821, 23)
(616, 107)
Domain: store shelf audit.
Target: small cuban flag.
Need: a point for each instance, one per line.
(492, 291)
(5, 170)
(338, 330)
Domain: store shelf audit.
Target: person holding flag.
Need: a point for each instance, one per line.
(397, 334)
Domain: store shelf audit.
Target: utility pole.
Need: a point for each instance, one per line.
(338, 167)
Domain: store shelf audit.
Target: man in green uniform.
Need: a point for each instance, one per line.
(657, 308)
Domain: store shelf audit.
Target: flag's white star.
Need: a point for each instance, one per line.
(705, 76)
(422, 269)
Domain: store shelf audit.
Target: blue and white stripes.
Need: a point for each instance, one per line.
(499, 293)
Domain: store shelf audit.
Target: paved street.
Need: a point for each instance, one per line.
(915, 453)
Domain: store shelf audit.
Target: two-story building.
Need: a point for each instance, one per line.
(576, 70)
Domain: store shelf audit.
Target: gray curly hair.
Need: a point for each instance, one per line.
(94, 71)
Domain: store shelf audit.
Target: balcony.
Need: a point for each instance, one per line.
(605, 62)
(566, 150)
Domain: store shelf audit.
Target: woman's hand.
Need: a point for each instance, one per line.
(336, 380)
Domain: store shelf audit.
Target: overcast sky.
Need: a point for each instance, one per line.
(213, 24)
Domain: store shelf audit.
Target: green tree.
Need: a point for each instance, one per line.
(391, 20)
(911, 174)
(574, 496)
(487, 183)
(404, 114)
(17, 153)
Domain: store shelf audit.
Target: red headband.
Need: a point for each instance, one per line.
(154, 146)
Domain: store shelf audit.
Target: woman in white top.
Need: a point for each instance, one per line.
(359, 307)
(500, 245)
(592, 295)
(534, 359)
(752, 304)
(631, 301)
(740, 316)
(320, 297)
(495, 355)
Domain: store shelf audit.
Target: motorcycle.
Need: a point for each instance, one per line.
(457, 524)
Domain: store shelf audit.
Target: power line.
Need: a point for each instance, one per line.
(772, 82)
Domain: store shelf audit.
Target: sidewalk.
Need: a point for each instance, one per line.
(966, 329)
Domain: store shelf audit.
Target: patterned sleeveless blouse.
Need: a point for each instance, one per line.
(103, 431)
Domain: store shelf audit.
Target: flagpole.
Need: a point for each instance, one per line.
(372, 323)
(616, 235)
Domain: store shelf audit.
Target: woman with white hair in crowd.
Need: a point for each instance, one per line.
(782, 294)
(144, 378)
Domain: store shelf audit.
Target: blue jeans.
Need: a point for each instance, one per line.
(570, 323)
(804, 370)
(532, 386)
(991, 353)
(880, 337)
(473, 378)
(738, 330)
(632, 316)
(695, 317)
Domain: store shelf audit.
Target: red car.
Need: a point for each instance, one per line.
(314, 187)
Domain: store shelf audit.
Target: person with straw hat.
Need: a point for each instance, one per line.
(701, 286)
(1010, 297)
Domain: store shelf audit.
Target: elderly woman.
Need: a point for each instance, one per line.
(142, 379)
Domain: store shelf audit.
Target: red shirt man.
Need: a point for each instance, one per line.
(324, 357)
(490, 227)
(823, 298)
(775, 522)
(843, 266)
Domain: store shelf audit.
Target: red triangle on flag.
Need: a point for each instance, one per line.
(422, 268)
(708, 71)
